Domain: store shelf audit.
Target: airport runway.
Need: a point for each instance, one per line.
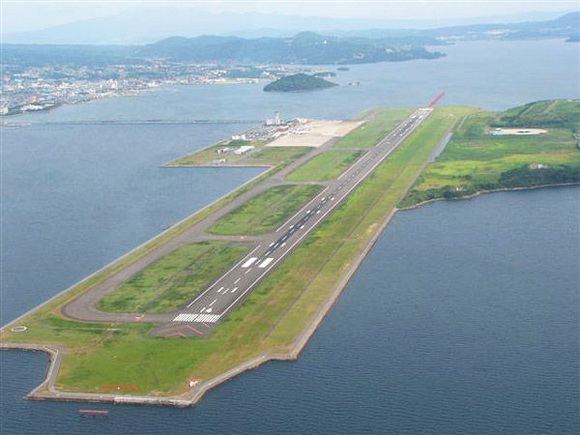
(203, 313)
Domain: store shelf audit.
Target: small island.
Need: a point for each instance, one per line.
(297, 83)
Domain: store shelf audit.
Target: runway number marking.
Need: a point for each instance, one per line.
(249, 262)
(265, 262)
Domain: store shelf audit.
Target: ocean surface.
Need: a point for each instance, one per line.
(463, 319)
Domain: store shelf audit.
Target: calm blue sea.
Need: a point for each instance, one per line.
(463, 319)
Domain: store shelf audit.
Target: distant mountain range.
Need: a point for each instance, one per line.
(144, 26)
(312, 48)
(562, 27)
(305, 48)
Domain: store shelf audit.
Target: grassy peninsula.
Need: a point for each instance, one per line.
(325, 166)
(492, 151)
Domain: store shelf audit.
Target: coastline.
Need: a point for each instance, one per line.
(128, 93)
(482, 192)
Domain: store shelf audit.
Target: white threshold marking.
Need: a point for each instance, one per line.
(208, 318)
(211, 286)
(265, 262)
(185, 317)
(249, 262)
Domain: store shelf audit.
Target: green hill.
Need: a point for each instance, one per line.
(298, 82)
(476, 160)
(546, 114)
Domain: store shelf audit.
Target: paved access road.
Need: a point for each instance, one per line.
(201, 315)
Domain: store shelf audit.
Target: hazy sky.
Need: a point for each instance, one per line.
(25, 15)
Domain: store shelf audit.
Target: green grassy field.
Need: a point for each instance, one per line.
(326, 166)
(373, 130)
(266, 211)
(272, 317)
(474, 160)
(548, 113)
(174, 279)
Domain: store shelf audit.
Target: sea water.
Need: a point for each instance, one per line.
(461, 320)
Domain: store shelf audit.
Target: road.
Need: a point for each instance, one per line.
(203, 313)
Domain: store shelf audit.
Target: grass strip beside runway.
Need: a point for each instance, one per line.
(326, 166)
(265, 212)
(372, 131)
(174, 279)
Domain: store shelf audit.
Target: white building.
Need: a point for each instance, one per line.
(243, 149)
